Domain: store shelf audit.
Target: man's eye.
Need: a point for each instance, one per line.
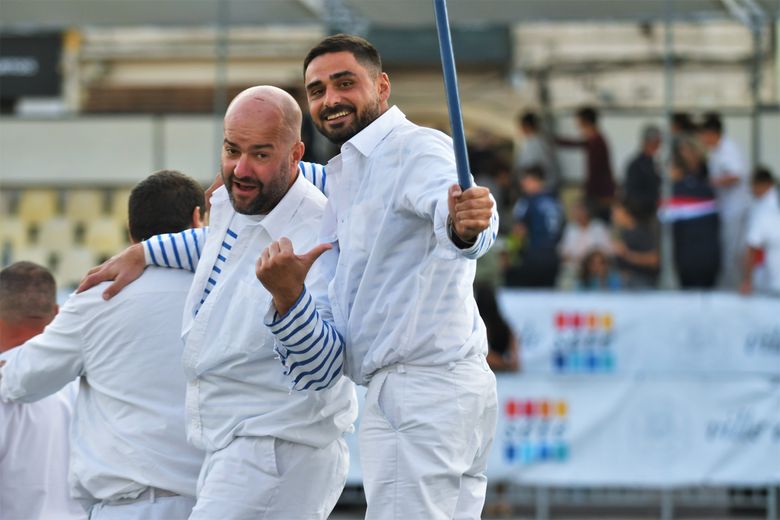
(345, 84)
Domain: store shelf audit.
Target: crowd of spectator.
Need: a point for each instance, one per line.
(608, 236)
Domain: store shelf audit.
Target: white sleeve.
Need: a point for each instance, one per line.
(756, 236)
(47, 362)
(178, 250)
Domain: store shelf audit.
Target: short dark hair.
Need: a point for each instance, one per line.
(27, 290)
(712, 122)
(588, 115)
(535, 170)
(163, 203)
(365, 53)
(762, 175)
(683, 121)
(529, 119)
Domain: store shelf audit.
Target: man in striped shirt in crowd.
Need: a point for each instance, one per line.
(399, 239)
(263, 445)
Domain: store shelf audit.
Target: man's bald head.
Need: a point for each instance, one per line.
(268, 101)
(28, 302)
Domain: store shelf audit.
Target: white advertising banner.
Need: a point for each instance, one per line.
(606, 431)
(644, 333)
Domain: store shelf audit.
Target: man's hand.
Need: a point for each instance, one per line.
(122, 269)
(470, 211)
(283, 272)
(218, 181)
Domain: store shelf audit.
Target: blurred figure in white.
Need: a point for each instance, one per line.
(729, 175)
(34, 449)
(130, 456)
(763, 237)
(581, 235)
(536, 151)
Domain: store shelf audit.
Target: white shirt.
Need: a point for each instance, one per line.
(235, 386)
(578, 241)
(399, 290)
(34, 454)
(128, 431)
(726, 160)
(764, 233)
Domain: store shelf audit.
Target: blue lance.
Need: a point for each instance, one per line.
(453, 98)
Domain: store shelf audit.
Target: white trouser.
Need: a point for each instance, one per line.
(732, 245)
(148, 507)
(425, 435)
(256, 478)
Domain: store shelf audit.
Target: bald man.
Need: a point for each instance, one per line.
(270, 453)
(34, 450)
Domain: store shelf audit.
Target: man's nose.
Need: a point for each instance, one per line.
(241, 169)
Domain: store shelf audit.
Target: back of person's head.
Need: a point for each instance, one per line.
(762, 175)
(164, 202)
(28, 302)
(363, 51)
(682, 122)
(651, 134)
(712, 122)
(529, 120)
(588, 115)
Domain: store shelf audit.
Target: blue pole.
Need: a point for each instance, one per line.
(453, 98)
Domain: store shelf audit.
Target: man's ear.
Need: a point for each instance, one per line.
(383, 87)
(197, 220)
(296, 154)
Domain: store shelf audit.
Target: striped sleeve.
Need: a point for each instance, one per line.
(310, 348)
(315, 173)
(177, 250)
(485, 240)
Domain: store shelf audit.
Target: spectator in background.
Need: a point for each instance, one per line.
(502, 343)
(501, 182)
(596, 273)
(728, 174)
(694, 215)
(636, 249)
(680, 125)
(34, 448)
(763, 236)
(599, 181)
(642, 187)
(538, 221)
(582, 235)
(536, 151)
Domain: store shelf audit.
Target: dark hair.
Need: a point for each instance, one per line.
(588, 115)
(529, 119)
(365, 53)
(163, 203)
(683, 121)
(762, 175)
(27, 290)
(535, 170)
(712, 122)
(584, 267)
(498, 332)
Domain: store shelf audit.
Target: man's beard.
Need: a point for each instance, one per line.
(268, 195)
(339, 136)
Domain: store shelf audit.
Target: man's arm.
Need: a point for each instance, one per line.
(309, 346)
(179, 250)
(47, 362)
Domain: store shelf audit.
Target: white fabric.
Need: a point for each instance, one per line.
(129, 422)
(158, 508)
(733, 202)
(578, 241)
(395, 262)
(34, 455)
(764, 233)
(257, 478)
(425, 436)
(726, 160)
(235, 387)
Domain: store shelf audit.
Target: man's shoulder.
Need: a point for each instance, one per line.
(152, 280)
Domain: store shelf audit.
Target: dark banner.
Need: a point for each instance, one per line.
(30, 65)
